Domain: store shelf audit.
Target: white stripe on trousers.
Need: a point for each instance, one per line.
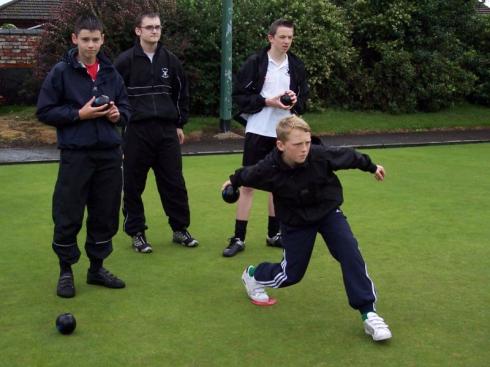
(280, 277)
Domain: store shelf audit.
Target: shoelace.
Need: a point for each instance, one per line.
(139, 241)
(237, 241)
(107, 273)
(186, 235)
(258, 288)
(377, 321)
(274, 238)
(65, 281)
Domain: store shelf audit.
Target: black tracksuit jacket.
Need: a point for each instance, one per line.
(67, 88)
(250, 80)
(306, 193)
(159, 95)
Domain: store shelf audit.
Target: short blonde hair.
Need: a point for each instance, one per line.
(287, 124)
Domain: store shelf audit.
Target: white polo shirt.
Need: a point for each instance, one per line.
(277, 80)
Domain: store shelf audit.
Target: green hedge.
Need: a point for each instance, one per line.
(389, 55)
(396, 56)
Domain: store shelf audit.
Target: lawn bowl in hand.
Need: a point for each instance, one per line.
(286, 100)
(101, 100)
(230, 195)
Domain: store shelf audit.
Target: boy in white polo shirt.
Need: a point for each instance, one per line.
(261, 82)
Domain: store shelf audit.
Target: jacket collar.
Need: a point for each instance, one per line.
(263, 54)
(70, 57)
(279, 162)
(138, 50)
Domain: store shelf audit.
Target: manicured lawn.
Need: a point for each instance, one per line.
(423, 232)
(333, 121)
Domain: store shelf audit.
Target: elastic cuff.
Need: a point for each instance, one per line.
(368, 308)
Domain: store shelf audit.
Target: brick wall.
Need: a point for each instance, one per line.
(17, 58)
(18, 47)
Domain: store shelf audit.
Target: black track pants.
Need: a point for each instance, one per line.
(153, 145)
(92, 180)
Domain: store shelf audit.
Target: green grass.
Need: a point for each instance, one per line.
(339, 122)
(423, 232)
(17, 111)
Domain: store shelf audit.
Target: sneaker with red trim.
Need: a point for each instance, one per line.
(255, 291)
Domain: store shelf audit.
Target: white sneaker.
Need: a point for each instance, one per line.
(376, 327)
(255, 291)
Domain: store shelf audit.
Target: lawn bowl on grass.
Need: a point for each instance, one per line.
(66, 323)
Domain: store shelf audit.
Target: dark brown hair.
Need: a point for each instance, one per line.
(88, 22)
(280, 23)
(148, 14)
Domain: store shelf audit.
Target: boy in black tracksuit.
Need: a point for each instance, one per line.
(307, 198)
(158, 93)
(90, 158)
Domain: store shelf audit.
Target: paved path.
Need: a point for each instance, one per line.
(216, 146)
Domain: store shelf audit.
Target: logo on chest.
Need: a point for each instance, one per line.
(164, 73)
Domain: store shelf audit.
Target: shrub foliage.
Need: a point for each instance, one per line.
(390, 55)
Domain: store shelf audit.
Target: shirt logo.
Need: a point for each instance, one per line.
(165, 73)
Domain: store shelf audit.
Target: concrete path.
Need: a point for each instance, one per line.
(227, 146)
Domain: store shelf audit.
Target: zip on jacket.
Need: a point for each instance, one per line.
(161, 94)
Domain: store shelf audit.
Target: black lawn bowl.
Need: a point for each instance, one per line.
(101, 100)
(286, 100)
(66, 323)
(230, 195)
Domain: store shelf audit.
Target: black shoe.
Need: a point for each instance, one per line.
(140, 244)
(105, 278)
(275, 241)
(66, 286)
(184, 238)
(236, 245)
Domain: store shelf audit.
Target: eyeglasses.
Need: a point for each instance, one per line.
(151, 28)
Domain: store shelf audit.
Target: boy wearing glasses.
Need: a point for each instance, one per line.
(158, 93)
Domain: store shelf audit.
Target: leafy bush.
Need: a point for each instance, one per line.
(117, 16)
(17, 87)
(390, 55)
(409, 55)
(8, 26)
(477, 60)
(193, 34)
(321, 40)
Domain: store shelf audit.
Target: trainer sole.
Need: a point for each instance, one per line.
(270, 302)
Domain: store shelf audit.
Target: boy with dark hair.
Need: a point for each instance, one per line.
(89, 174)
(261, 82)
(158, 93)
(307, 198)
